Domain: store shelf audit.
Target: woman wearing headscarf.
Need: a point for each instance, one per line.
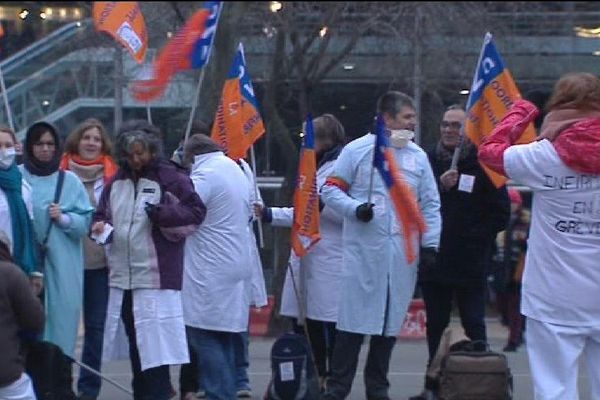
(15, 209)
(88, 155)
(69, 220)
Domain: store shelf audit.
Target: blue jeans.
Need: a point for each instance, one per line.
(216, 361)
(153, 383)
(242, 362)
(95, 300)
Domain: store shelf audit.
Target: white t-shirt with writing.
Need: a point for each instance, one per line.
(561, 283)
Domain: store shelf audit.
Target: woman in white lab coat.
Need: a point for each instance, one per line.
(316, 277)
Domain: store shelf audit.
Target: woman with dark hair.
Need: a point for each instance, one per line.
(88, 154)
(61, 225)
(15, 209)
(152, 206)
(318, 274)
(561, 279)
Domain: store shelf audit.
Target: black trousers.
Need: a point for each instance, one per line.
(153, 383)
(322, 340)
(438, 306)
(345, 362)
(188, 375)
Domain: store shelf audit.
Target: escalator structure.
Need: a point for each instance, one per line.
(66, 77)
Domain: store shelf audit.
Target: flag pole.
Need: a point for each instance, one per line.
(373, 162)
(371, 179)
(458, 148)
(6, 105)
(261, 238)
(148, 113)
(194, 105)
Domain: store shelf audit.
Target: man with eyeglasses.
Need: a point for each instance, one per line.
(473, 212)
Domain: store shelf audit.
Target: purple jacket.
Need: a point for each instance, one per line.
(145, 254)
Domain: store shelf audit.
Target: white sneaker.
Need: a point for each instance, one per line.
(244, 394)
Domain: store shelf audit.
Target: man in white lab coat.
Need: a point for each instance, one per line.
(378, 283)
(217, 268)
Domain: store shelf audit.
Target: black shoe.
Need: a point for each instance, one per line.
(510, 347)
(85, 397)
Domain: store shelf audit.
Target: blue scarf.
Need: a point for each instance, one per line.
(24, 240)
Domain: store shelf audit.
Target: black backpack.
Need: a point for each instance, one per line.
(293, 374)
(49, 370)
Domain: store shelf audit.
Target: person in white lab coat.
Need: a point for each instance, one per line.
(378, 283)
(216, 299)
(317, 275)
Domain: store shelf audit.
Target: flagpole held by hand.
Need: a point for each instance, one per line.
(261, 239)
(458, 148)
(371, 180)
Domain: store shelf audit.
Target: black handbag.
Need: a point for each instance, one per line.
(42, 248)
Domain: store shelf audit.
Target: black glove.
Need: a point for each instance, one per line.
(427, 259)
(364, 212)
(151, 211)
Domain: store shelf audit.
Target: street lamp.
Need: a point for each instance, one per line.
(275, 6)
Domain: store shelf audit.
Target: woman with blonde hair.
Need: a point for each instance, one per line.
(88, 154)
(561, 280)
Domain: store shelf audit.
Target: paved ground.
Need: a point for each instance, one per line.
(406, 370)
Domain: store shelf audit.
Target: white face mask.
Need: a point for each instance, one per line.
(399, 137)
(7, 157)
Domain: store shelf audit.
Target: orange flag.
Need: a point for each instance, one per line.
(305, 229)
(123, 20)
(492, 94)
(238, 123)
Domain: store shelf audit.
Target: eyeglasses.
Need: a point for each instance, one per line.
(42, 144)
(452, 125)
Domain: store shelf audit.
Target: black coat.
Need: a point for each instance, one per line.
(470, 223)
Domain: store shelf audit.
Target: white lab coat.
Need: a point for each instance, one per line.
(159, 328)
(378, 284)
(318, 274)
(217, 264)
(258, 290)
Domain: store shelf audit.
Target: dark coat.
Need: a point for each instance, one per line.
(470, 222)
(20, 311)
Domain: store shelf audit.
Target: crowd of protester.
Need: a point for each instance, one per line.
(161, 259)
